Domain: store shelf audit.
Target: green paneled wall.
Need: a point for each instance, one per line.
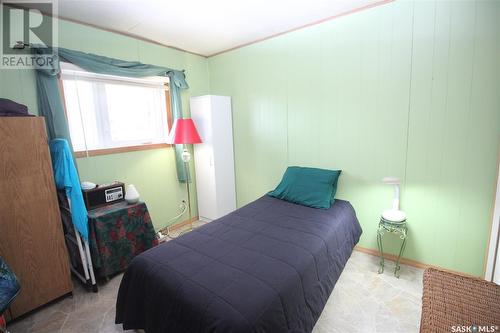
(151, 171)
(409, 89)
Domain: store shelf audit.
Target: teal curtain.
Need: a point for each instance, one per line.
(176, 104)
(50, 102)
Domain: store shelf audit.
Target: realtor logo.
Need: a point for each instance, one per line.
(24, 24)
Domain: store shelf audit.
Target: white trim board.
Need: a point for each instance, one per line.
(493, 270)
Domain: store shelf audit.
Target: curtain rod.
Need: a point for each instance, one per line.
(20, 45)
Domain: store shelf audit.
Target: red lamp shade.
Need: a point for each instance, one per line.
(183, 132)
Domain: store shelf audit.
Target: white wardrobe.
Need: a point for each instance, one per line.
(214, 158)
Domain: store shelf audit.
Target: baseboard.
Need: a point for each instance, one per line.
(182, 224)
(409, 262)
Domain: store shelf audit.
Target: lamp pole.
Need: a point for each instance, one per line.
(186, 157)
(184, 132)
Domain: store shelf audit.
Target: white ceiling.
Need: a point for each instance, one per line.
(206, 27)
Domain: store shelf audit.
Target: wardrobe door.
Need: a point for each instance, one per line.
(31, 236)
(222, 128)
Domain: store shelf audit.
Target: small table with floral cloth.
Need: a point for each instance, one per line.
(117, 233)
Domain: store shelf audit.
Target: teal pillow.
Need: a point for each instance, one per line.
(310, 187)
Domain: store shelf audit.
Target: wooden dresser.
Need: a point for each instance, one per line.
(31, 235)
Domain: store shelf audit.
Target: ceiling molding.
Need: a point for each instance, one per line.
(128, 34)
(305, 26)
(258, 40)
(123, 33)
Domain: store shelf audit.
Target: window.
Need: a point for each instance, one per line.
(109, 114)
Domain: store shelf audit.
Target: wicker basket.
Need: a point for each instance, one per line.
(456, 303)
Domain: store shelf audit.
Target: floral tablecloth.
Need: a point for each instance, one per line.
(117, 233)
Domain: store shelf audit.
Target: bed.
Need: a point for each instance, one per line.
(269, 266)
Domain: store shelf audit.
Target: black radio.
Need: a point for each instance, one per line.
(104, 194)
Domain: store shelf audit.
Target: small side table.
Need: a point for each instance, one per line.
(117, 233)
(392, 227)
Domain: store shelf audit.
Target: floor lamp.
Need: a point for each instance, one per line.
(184, 132)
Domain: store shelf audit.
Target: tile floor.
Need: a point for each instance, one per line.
(362, 301)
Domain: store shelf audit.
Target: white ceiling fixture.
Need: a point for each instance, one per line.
(206, 27)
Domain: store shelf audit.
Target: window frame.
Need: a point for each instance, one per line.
(125, 149)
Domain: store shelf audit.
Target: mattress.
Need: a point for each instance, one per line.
(269, 266)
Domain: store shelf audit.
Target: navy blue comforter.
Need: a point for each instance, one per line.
(269, 266)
